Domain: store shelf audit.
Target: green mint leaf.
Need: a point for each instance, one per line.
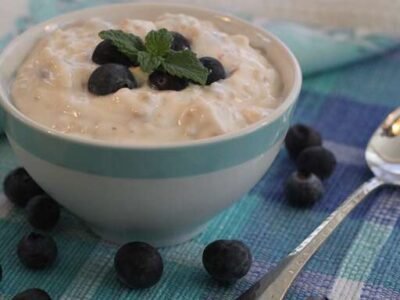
(127, 43)
(148, 62)
(185, 64)
(158, 42)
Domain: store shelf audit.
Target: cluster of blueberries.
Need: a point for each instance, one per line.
(314, 164)
(114, 74)
(137, 265)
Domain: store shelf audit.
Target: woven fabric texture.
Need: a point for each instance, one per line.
(361, 260)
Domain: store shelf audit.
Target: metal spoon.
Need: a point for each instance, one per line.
(383, 158)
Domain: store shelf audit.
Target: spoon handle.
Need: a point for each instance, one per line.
(275, 284)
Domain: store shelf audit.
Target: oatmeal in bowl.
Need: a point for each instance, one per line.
(57, 87)
(146, 120)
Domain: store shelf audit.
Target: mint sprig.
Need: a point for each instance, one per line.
(155, 53)
(148, 62)
(158, 43)
(185, 64)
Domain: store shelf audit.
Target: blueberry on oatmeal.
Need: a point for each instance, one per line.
(109, 78)
(179, 42)
(163, 81)
(106, 53)
(215, 68)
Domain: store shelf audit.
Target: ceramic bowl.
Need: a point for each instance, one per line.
(160, 194)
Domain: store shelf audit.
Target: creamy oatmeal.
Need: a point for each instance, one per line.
(51, 87)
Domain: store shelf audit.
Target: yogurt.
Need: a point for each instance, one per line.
(51, 87)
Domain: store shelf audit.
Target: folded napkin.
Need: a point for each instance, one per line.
(360, 261)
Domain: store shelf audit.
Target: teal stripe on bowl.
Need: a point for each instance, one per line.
(147, 163)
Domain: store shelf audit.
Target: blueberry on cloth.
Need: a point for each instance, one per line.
(179, 42)
(109, 78)
(43, 212)
(163, 81)
(303, 190)
(300, 137)
(19, 187)
(106, 53)
(32, 294)
(138, 265)
(227, 260)
(215, 68)
(317, 160)
(37, 251)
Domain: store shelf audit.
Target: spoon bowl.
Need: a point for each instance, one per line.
(383, 151)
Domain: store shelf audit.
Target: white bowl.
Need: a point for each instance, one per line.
(160, 194)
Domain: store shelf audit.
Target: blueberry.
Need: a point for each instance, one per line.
(43, 212)
(317, 298)
(303, 190)
(317, 160)
(37, 251)
(163, 81)
(138, 265)
(179, 42)
(19, 187)
(109, 78)
(215, 68)
(106, 53)
(32, 294)
(227, 260)
(300, 137)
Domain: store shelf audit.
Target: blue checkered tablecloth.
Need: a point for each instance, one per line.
(360, 261)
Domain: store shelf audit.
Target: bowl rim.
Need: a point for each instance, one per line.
(9, 108)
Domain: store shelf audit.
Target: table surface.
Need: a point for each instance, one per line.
(360, 261)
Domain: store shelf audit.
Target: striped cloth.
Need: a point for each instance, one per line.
(360, 261)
